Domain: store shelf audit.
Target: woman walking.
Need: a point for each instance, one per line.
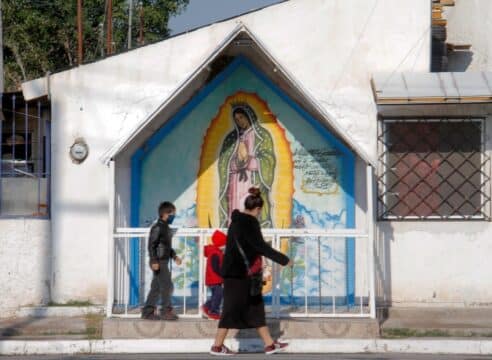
(243, 304)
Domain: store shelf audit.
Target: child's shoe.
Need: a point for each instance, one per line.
(205, 311)
(169, 315)
(151, 317)
(213, 316)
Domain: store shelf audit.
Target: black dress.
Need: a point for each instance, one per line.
(241, 310)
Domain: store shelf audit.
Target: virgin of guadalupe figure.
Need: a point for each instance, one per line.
(246, 159)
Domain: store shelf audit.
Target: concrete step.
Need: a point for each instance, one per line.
(437, 322)
(441, 312)
(124, 328)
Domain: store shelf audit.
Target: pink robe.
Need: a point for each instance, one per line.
(238, 189)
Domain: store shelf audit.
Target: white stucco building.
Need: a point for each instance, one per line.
(349, 76)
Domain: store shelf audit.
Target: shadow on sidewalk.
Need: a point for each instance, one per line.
(250, 341)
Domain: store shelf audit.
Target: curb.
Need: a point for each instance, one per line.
(409, 346)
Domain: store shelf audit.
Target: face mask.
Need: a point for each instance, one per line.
(170, 219)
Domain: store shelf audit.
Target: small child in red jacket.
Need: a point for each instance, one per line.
(213, 279)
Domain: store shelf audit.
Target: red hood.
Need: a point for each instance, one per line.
(209, 250)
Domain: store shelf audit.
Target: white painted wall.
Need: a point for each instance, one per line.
(438, 263)
(469, 23)
(25, 264)
(331, 46)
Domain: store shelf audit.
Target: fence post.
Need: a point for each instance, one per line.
(185, 273)
(277, 277)
(305, 276)
(201, 287)
(110, 293)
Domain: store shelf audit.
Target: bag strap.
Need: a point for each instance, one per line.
(241, 251)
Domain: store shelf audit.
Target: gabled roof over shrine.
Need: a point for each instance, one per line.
(240, 42)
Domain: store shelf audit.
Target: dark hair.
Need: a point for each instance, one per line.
(254, 199)
(240, 110)
(166, 207)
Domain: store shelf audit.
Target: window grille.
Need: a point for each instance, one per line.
(433, 169)
(24, 157)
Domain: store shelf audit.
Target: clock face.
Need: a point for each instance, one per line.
(79, 151)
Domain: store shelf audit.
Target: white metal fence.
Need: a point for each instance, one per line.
(332, 274)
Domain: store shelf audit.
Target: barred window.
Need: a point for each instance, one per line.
(24, 157)
(433, 169)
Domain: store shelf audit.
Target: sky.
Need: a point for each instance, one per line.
(203, 12)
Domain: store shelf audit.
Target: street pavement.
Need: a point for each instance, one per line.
(252, 357)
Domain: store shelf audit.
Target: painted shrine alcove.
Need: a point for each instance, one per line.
(241, 130)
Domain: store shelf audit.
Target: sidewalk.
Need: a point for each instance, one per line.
(412, 330)
(131, 346)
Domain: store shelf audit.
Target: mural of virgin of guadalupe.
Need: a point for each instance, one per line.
(246, 159)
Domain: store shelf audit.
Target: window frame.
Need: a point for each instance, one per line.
(20, 110)
(383, 172)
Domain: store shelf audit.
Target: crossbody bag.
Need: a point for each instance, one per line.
(255, 278)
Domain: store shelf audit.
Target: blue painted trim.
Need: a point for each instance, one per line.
(136, 167)
(155, 139)
(349, 181)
